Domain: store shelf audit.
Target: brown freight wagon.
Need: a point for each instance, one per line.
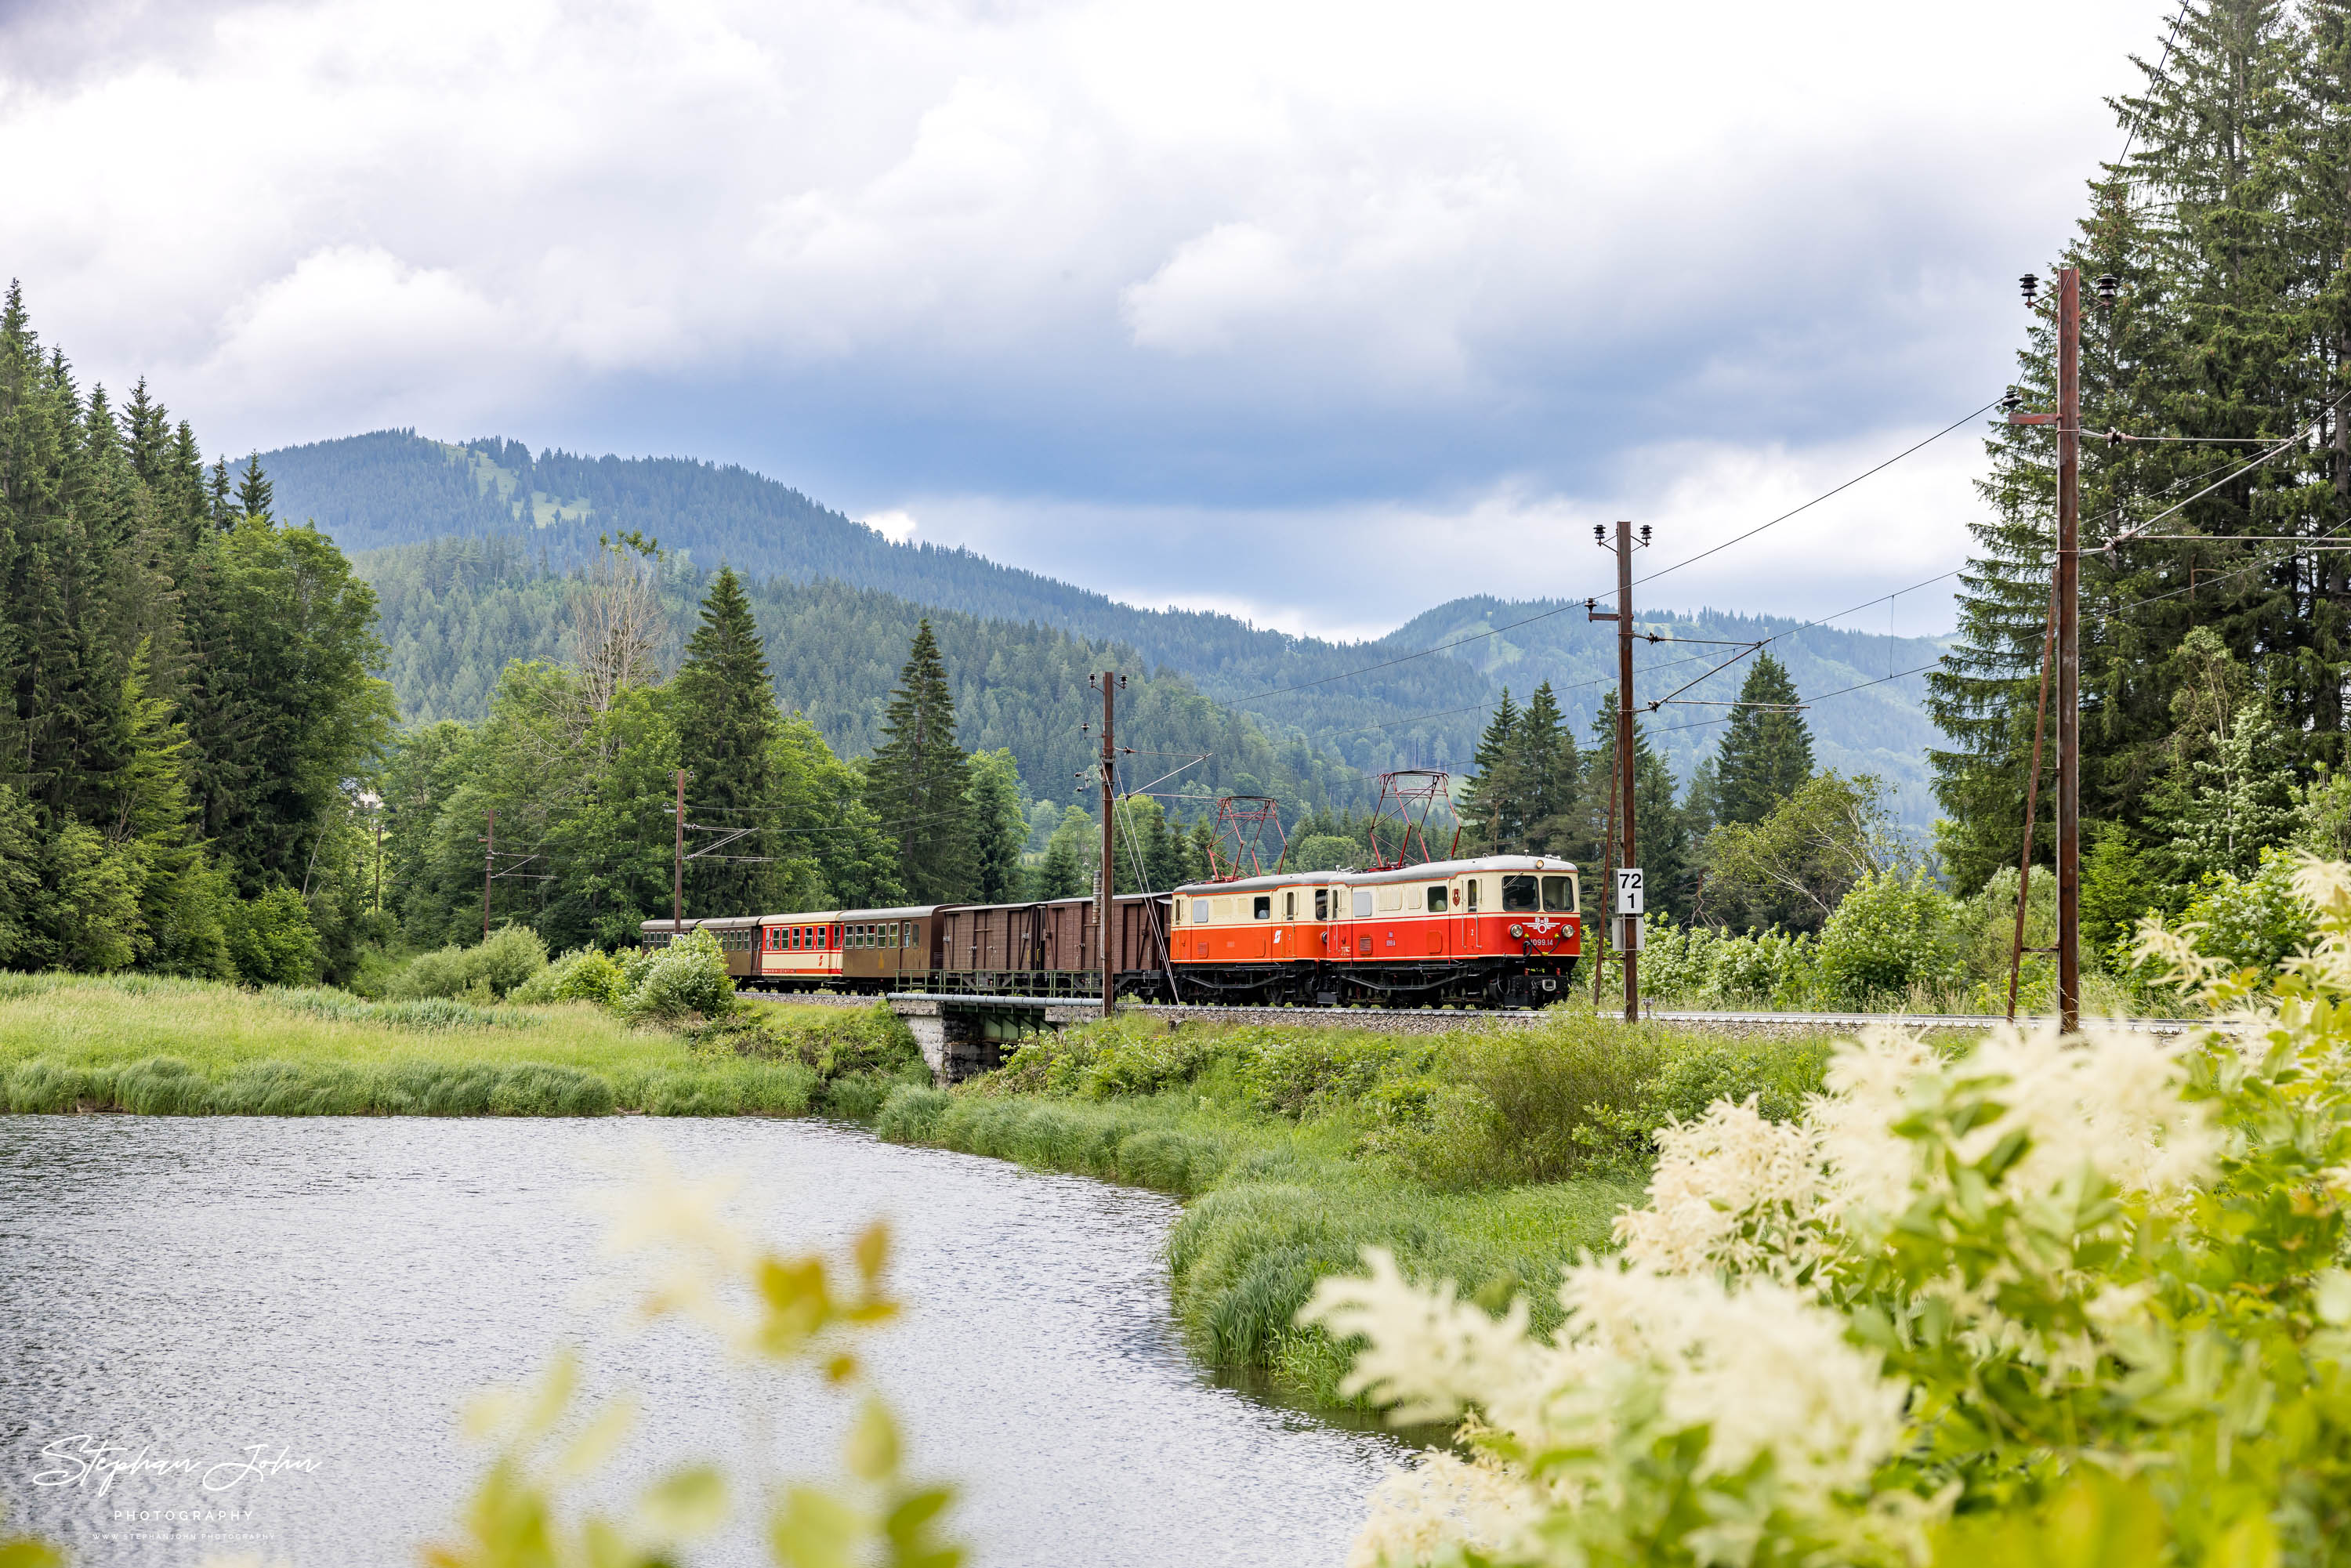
(1050, 949)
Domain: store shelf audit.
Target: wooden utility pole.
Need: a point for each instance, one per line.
(677, 867)
(2069, 649)
(489, 861)
(1627, 947)
(1627, 944)
(2066, 579)
(1111, 682)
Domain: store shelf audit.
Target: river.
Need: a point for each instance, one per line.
(327, 1292)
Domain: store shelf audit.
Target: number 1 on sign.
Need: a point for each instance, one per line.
(1629, 898)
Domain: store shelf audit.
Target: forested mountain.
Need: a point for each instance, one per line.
(393, 488)
(850, 597)
(1873, 726)
(455, 612)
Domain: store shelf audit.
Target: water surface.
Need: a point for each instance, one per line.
(327, 1292)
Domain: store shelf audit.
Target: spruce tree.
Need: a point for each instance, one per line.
(1766, 751)
(255, 494)
(726, 721)
(1549, 771)
(2210, 339)
(918, 780)
(999, 829)
(1492, 803)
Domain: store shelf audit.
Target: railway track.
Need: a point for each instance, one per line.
(1432, 1020)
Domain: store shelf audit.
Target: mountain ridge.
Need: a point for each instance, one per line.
(393, 488)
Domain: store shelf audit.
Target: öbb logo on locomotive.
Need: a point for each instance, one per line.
(1491, 931)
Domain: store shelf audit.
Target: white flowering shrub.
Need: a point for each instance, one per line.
(2039, 1302)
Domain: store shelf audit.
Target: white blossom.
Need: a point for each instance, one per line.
(1424, 1511)
(2108, 1100)
(1430, 1353)
(1731, 1190)
(1868, 1170)
(1762, 1366)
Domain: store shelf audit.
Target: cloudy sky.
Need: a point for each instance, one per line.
(1320, 313)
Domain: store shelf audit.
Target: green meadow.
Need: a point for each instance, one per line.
(160, 1046)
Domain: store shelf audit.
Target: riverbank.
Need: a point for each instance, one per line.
(1488, 1158)
(158, 1046)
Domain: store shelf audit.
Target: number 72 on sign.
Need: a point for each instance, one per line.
(1630, 899)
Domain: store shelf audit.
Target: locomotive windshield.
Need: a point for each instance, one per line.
(1521, 895)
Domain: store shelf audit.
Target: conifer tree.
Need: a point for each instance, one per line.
(2211, 338)
(1765, 751)
(1547, 770)
(999, 829)
(1492, 803)
(1661, 834)
(918, 780)
(726, 722)
(255, 494)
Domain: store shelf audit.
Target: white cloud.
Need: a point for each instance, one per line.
(897, 527)
(1474, 273)
(1354, 571)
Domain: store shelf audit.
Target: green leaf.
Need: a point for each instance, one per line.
(688, 1502)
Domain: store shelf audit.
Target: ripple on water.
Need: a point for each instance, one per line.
(335, 1287)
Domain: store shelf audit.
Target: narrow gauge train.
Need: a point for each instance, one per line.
(1498, 931)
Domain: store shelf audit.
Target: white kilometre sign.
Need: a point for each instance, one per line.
(1630, 899)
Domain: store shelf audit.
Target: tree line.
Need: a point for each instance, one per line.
(188, 696)
(1718, 850)
(2216, 630)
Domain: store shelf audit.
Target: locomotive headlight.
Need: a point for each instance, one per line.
(1518, 932)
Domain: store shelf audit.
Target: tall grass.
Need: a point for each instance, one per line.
(162, 1047)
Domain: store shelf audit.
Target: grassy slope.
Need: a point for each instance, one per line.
(1297, 1155)
(179, 1046)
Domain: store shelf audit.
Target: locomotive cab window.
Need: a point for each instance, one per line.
(1363, 903)
(1521, 895)
(1436, 900)
(1200, 912)
(1290, 905)
(1559, 895)
(1321, 903)
(1262, 906)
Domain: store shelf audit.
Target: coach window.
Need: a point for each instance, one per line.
(1321, 903)
(1262, 906)
(1436, 899)
(1559, 895)
(1520, 895)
